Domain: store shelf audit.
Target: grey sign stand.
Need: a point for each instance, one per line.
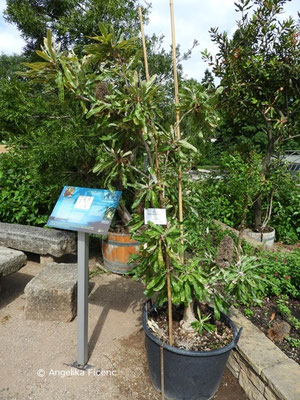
(82, 298)
(72, 202)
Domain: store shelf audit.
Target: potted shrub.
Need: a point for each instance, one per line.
(140, 153)
(188, 342)
(260, 96)
(242, 181)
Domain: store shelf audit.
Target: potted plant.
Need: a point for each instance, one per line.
(185, 360)
(258, 70)
(241, 182)
(140, 152)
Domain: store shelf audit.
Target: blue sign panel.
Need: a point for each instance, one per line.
(85, 210)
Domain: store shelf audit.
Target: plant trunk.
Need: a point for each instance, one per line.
(188, 318)
(124, 214)
(257, 206)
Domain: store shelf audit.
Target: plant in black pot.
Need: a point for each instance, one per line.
(140, 151)
(188, 335)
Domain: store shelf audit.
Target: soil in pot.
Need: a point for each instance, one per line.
(192, 341)
(186, 374)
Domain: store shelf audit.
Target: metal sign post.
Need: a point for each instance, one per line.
(82, 298)
(85, 210)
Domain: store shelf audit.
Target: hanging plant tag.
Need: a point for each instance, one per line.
(157, 216)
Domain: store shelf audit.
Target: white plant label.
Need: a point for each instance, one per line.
(157, 216)
(84, 202)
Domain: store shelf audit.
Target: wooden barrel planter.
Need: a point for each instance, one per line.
(116, 251)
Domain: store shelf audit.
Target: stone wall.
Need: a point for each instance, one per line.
(262, 369)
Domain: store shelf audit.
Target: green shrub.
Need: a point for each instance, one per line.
(23, 197)
(286, 211)
(214, 199)
(282, 272)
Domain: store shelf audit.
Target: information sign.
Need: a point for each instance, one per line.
(157, 216)
(85, 210)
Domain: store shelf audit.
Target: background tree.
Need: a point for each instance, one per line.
(259, 70)
(50, 145)
(71, 21)
(208, 79)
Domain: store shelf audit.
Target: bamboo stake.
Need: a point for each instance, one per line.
(157, 167)
(144, 44)
(162, 372)
(177, 122)
(147, 79)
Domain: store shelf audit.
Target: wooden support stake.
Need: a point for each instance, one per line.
(162, 372)
(180, 208)
(144, 44)
(157, 168)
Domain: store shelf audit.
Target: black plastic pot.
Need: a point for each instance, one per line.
(188, 375)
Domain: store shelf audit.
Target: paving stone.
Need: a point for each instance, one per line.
(37, 240)
(284, 380)
(11, 261)
(51, 295)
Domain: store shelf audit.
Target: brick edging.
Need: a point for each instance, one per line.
(262, 369)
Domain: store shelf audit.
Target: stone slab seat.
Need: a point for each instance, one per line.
(11, 261)
(43, 241)
(51, 295)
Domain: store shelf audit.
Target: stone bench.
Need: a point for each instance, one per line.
(51, 295)
(11, 261)
(48, 243)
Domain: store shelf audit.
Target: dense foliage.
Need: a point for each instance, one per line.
(259, 68)
(282, 271)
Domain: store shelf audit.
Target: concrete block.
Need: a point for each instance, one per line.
(37, 240)
(51, 295)
(11, 261)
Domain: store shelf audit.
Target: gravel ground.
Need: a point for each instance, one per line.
(36, 356)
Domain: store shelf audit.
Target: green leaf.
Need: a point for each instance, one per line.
(94, 111)
(188, 293)
(43, 55)
(154, 282)
(60, 86)
(187, 145)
